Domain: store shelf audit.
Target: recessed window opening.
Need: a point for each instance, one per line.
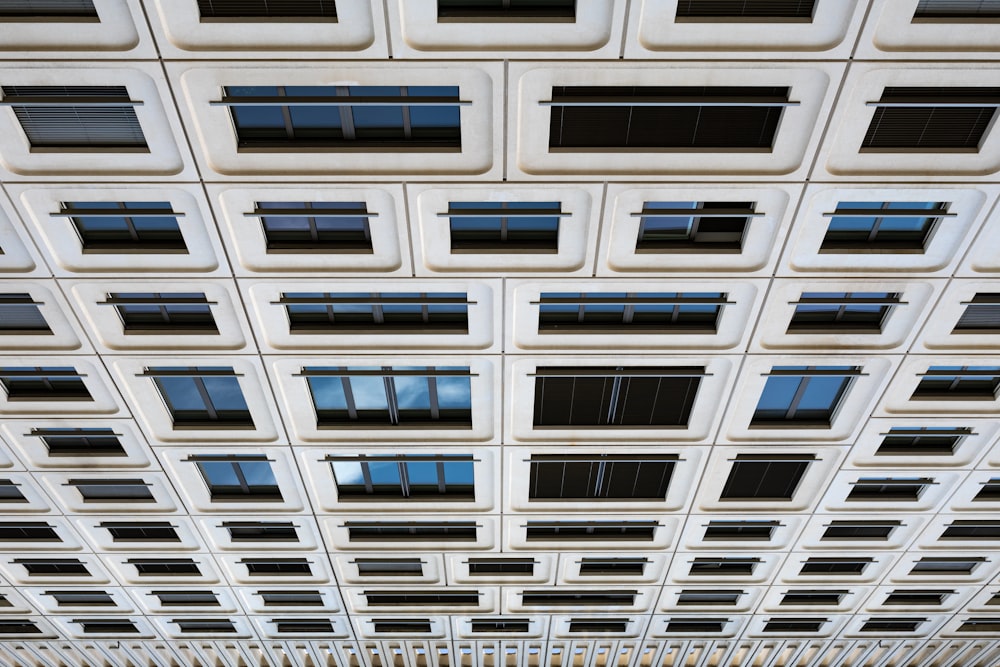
(588, 625)
(970, 529)
(730, 567)
(20, 315)
(959, 383)
(889, 489)
(390, 567)
(709, 597)
(813, 597)
(57, 11)
(835, 566)
(159, 567)
(277, 567)
(185, 598)
(765, 477)
(316, 226)
(230, 478)
(882, 227)
(55, 567)
(77, 117)
(630, 312)
(504, 227)
(605, 476)
(981, 315)
(458, 531)
(922, 440)
(292, 118)
(743, 11)
(291, 598)
(618, 597)
(693, 226)
(744, 531)
(376, 312)
(261, 531)
(10, 493)
(506, 10)
(202, 397)
(802, 396)
(159, 313)
(150, 531)
(946, 565)
(253, 10)
(80, 441)
(518, 567)
(917, 597)
(113, 490)
(82, 598)
(430, 476)
(405, 396)
(591, 530)
(24, 531)
(842, 312)
(957, 11)
(125, 227)
(483, 625)
(910, 119)
(860, 530)
(43, 383)
(613, 566)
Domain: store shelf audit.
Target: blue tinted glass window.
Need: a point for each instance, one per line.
(882, 226)
(198, 397)
(630, 311)
(239, 479)
(377, 312)
(809, 399)
(504, 226)
(407, 476)
(126, 226)
(667, 226)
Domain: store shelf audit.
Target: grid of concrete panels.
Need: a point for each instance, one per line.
(842, 536)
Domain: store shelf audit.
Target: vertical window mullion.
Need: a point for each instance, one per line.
(404, 479)
(800, 392)
(442, 484)
(206, 398)
(366, 476)
(616, 385)
(286, 115)
(378, 311)
(405, 109)
(432, 397)
(352, 407)
(346, 115)
(391, 400)
(238, 469)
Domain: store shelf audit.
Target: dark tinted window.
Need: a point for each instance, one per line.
(931, 119)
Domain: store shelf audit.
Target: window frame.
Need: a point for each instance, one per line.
(645, 304)
(698, 239)
(23, 301)
(409, 488)
(895, 101)
(244, 490)
(157, 241)
(872, 243)
(493, 226)
(813, 314)
(171, 323)
(822, 418)
(432, 320)
(212, 416)
(601, 482)
(79, 391)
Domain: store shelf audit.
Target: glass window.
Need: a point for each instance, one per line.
(506, 10)
(76, 598)
(613, 566)
(982, 315)
(502, 567)
(703, 597)
(959, 11)
(398, 395)
(376, 312)
(19, 314)
(247, 478)
(293, 117)
(277, 566)
(253, 9)
(413, 476)
(203, 396)
(77, 117)
(34, 531)
(802, 396)
(963, 383)
(80, 441)
(664, 117)
(155, 312)
(48, 10)
(765, 477)
(946, 565)
(318, 226)
(390, 567)
(158, 567)
(842, 312)
(889, 489)
(709, 567)
(860, 530)
(113, 490)
(10, 493)
(182, 598)
(649, 397)
(835, 566)
(591, 530)
(149, 531)
(922, 440)
(745, 10)
(43, 383)
(293, 598)
(526, 227)
(57, 567)
(607, 476)
(744, 531)
(452, 531)
(117, 227)
(902, 227)
(911, 597)
(929, 120)
(692, 226)
(260, 531)
(629, 312)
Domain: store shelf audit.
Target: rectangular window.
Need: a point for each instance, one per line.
(125, 227)
(202, 397)
(860, 530)
(484, 625)
(972, 530)
(929, 120)
(630, 312)
(958, 11)
(159, 567)
(506, 10)
(85, 598)
(261, 531)
(347, 117)
(958, 383)
(501, 567)
(589, 625)
(400, 625)
(699, 626)
(416, 476)
(734, 118)
(605, 476)
(204, 625)
(981, 315)
(160, 313)
(376, 312)
(765, 477)
(315, 226)
(501, 227)
(638, 397)
(911, 597)
(18, 627)
(151, 531)
(48, 10)
(889, 489)
(991, 625)
(744, 531)
(436, 598)
(882, 226)
(813, 597)
(842, 312)
(597, 598)
(77, 117)
(4, 602)
(291, 598)
(835, 566)
(794, 624)
(113, 490)
(28, 531)
(277, 567)
(613, 566)
(58, 567)
(706, 597)
(230, 478)
(922, 440)
(101, 626)
(591, 530)
(407, 396)
(802, 396)
(303, 626)
(10, 493)
(80, 441)
(770, 11)
(314, 10)
(19, 315)
(176, 598)
(892, 624)
(390, 567)
(990, 490)
(693, 226)
(451, 531)
(943, 565)
(723, 567)
(48, 383)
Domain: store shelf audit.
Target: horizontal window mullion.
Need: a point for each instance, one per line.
(815, 372)
(231, 101)
(957, 373)
(153, 301)
(40, 374)
(925, 103)
(13, 100)
(431, 372)
(612, 373)
(584, 458)
(186, 373)
(505, 213)
(117, 213)
(430, 301)
(586, 301)
(697, 213)
(401, 459)
(309, 213)
(848, 301)
(890, 213)
(597, 101)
